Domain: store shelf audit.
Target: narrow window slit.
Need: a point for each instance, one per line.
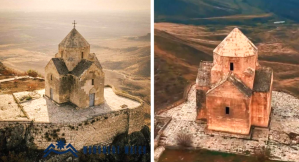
(227, 110)
(231, 66)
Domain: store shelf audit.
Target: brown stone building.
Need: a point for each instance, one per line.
(233, 92)
(75, 75)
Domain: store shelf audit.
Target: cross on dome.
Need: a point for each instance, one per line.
(74, 24)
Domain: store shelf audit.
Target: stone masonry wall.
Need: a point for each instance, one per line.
(241, 68)
(98, 130)
(83, 87)
(238, 119)
(136, 119)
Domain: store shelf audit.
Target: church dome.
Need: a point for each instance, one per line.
(236, 44)
(74, 40)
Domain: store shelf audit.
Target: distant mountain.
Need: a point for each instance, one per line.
(188, 11)
(136, 61)
(146, 37)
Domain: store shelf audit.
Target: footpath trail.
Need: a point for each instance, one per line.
(18, 77)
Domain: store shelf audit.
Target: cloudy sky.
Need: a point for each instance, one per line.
(74, 5)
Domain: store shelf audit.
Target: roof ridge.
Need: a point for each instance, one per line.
(232, 78)
(243, 87)
(236, 44)
(74, 40)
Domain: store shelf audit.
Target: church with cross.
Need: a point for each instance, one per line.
(75, 75)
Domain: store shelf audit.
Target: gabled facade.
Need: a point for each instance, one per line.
(75, 75)
(234, 91)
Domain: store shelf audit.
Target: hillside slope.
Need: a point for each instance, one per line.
(184, 11)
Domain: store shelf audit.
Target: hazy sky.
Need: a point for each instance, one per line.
(74, 5)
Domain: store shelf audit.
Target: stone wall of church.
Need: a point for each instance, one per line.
(83, 87)
(243, 68)
(261, 107)
(260, 112)
(72, 56)
(238, 119)
(201, 102)
(57, 83)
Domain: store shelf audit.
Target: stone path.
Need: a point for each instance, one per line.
(282, 138)
(41, 109)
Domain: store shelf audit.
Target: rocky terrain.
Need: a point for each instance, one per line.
(281, 138)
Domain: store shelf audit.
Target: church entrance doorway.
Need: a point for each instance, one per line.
(91, 99)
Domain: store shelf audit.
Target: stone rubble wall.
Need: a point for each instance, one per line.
(98, 130)
(136, 114)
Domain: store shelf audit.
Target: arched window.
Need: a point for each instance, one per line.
(82, 55)
(51, 76)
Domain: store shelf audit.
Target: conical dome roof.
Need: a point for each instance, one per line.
(74, 40)
(236, 44)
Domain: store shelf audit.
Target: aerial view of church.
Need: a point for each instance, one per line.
(74, 93)
(233, 92)
(230, 108)
(75, 75)
(75, 81)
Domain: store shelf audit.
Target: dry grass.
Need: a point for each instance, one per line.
(21, 85)
(9, 73)
(27, 97)
(261, 154)
(32, 86)
(184, 139)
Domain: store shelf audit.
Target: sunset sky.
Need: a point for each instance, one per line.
(74, 5)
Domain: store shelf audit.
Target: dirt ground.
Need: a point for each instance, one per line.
(19, 85)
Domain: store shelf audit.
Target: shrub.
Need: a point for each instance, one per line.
(261, 154)
(124, 106)
(32, 73)
(184, 139)
(28, 98)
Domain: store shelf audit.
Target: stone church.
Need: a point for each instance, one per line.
(233, 93)
(75, 75)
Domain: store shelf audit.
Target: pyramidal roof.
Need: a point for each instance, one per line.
(236, 44)
(74, 40)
